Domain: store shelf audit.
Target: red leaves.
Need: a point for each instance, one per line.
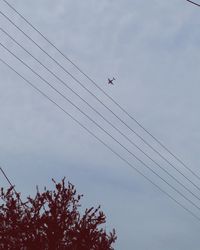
(51, 220)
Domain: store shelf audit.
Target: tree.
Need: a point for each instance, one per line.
(51, 220)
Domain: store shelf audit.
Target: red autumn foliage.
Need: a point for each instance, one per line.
(51, 220)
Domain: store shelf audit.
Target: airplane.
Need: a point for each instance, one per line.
(111, 81)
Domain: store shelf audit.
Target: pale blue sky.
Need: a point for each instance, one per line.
(152, 48)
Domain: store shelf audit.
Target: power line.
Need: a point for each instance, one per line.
(11, 185)
(101, 141)
(76, 80)
(193, 3)
(6, 177)
(107, 95)
(113, 126)
(101, 128)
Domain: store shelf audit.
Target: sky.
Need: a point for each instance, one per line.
(151, 48)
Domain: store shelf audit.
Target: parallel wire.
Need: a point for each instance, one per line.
(101, 128)
(75, 79)
(107, 95)
(113, 126)
(101, 141)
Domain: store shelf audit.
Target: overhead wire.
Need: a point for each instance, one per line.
(106, 94)
(11, 185)
(101, 102)
(100, 127)
(100, 140)
(6, 177)
(95, 110)
(193, 3)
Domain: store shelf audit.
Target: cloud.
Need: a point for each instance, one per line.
(152, 49)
